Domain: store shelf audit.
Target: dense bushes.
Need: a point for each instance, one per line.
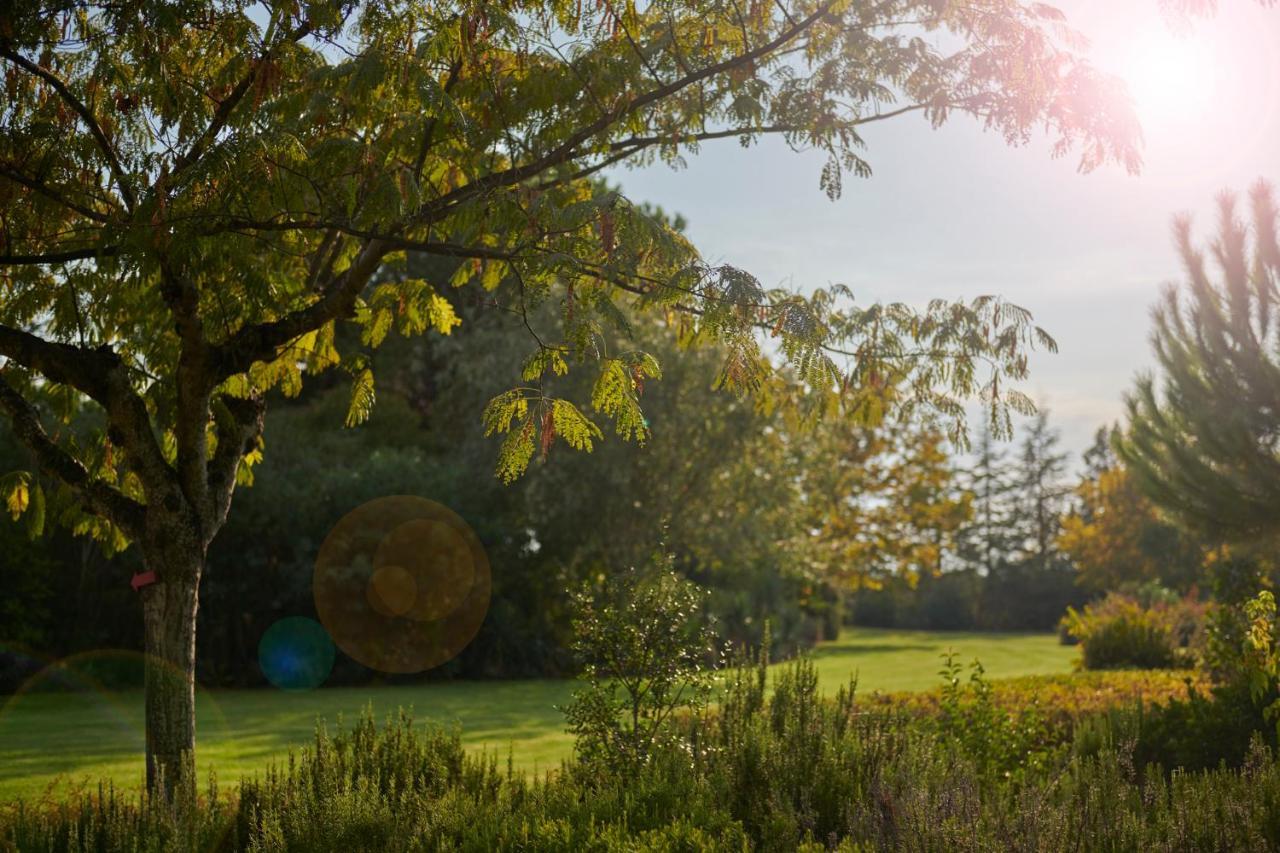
(768, 771)
(1125, 631)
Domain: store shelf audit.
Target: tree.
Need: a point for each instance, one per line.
(1113, 536)
(647, 654)
(1040, 492)
(1203, 443)
(987, 541)
(880, 502)
(196, 198)
(1032, 584)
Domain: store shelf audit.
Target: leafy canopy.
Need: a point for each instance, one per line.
(196, 193)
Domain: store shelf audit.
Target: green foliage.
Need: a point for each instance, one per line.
(998, 739)
(1200, 441)
(1200, 731)
(1115, 537)
(1261, 654)
(647, 655)
(1120, 631)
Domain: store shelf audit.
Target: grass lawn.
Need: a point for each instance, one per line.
(50, 740)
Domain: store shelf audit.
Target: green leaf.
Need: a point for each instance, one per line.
(362, 399)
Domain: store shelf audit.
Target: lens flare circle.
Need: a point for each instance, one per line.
(296, 653)
(402, 584)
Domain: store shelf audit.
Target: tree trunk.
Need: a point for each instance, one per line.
(169, 616)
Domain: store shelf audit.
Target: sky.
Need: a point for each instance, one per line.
(955, 212)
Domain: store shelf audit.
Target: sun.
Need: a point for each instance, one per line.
(1171, 78)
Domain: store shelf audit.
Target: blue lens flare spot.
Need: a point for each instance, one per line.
(296, 653)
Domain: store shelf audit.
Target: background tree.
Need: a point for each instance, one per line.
(1202, 442)
(1040, 493)
(1032, 586)
(880, 502)
(988, 539)
(1113, 535)
(196, 198)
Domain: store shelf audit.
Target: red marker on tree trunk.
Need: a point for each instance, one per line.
(142, 579)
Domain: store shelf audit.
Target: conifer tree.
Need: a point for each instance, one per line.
(986, 542)
(1203, 438)
(1040, 493)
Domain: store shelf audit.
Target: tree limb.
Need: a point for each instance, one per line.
(568, 149)
(113, 160)
(222, 115)
(262, 341)
(100, 375)
(237, 424)
(59, 257)
(102, 498)
(50, 193)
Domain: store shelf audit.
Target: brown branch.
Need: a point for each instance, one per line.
(59, 257)
(83, 369)
(262, 341)
(237, 425)
(191, 418)
(222, 115)
(101, 376)
(103, 499)
(624, 107)
(113, 160)
(429, 131)
(50, 193)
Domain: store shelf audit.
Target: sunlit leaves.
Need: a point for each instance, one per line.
(616, 393)
(24, 496)
(362, 398)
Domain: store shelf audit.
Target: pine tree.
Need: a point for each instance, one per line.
(1041, 494)
(1204, 443)
(985, 543)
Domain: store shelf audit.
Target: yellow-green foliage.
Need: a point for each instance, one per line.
(1065, 699)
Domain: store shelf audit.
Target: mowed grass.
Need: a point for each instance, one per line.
(52, 742)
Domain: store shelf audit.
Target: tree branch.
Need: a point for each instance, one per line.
(50, 193)
(192, 385)
(113, 161)
(100, 375)
(262, 341)
(238, 423)
(222, 115)
(59, 257)
(624, 107)
(102, 498)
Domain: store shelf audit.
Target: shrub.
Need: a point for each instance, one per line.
(1120, 632)
(644, 647)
